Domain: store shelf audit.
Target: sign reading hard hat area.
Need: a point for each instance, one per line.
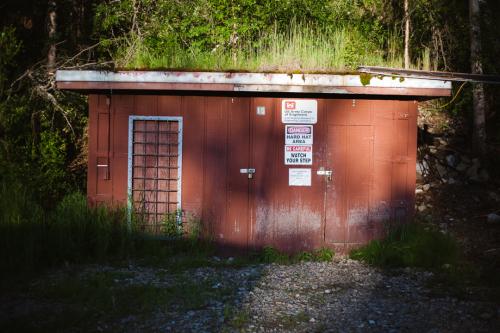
(299, 111)
(299, 177)
(299, 134)
(298, 155)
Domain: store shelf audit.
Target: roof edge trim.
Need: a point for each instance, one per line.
(251, 82)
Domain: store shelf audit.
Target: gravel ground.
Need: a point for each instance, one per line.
(348, 296)
(342, 296)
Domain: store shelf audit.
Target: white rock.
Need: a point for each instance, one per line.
(451, 160)
(493, 218)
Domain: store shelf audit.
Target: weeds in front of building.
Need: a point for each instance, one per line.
(410, 245)
(73, 232)
(33, 238)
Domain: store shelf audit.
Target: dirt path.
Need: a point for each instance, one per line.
(342, 296)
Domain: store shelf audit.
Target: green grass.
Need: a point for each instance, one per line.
(300, 49)
(33, 239)
(234, 318)
(410, 245)
(272, 255)
(105, 297)
(289, 322)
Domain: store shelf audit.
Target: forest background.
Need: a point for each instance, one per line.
(43, 130)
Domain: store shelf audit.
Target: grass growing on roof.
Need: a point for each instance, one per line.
(300, 49)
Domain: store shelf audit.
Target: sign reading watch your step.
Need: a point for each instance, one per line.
(298, 155)
(298, 134)
(299, 111)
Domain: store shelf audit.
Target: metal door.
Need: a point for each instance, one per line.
(154, 171)
(239, 174)
(349, 146)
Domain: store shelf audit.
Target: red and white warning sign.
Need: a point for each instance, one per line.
(298, 155)
(299, 111)
(298, 134)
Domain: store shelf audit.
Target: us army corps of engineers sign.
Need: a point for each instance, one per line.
(299, 111)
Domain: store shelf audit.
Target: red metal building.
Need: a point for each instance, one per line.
(295, 161)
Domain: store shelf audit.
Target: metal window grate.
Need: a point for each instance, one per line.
(155, 171)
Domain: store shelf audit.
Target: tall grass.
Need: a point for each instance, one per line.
(301, 48)
(410, 245)
(31, 238)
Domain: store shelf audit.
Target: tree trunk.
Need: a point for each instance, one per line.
(52, 29)
(478, 98)
(407, 36)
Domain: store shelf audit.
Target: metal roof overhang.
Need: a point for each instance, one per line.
(350, 84)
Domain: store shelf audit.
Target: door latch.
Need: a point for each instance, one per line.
(249, 172)
(327, 173)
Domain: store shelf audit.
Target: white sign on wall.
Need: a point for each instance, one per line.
(299, 177)
(298, 134)
(299, 111)
(298, 155)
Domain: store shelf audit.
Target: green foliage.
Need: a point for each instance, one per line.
(271, 255)
(411, 245)
(9, 48)
(252, 35)
(106, 297)
(365, 78)
(235, 319)
(52, 162)
(171, 226)
(32, 238)
(324, 254)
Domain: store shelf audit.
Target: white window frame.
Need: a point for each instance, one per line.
(131, 120)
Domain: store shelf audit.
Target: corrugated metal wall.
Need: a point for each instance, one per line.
(369, 144)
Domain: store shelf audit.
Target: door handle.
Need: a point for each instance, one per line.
(249, 172)
(327, 173)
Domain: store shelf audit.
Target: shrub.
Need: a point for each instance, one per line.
(324, 254)
(270, 254)
(410, 245)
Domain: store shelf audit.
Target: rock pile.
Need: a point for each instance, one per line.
(439, 161)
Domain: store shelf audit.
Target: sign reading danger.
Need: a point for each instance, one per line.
(298, 134)
(298, 155)
(299, 111)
